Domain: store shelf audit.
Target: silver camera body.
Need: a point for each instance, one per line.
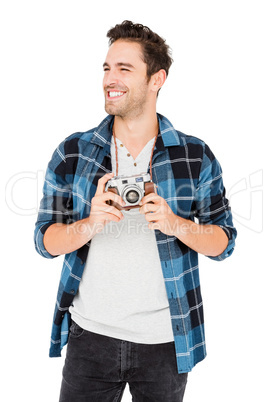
(131, 188)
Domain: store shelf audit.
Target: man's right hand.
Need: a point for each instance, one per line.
(61, 238)
(101, 213)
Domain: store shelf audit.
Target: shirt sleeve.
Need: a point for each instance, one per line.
(212, 206)
(56, 203)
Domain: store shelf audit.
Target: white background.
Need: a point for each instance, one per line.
(51, 75)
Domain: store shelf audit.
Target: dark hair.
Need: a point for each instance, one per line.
(156, 53)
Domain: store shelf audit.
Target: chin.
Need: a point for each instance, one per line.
(108, 110)
(112, 111)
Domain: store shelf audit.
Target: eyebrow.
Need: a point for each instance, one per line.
(120, 65)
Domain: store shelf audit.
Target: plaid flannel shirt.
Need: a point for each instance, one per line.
(187, 176)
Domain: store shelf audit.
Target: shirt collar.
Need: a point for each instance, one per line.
(167, 137)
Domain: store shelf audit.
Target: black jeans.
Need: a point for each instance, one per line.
(98, 367)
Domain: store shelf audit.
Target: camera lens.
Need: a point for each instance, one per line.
(132, 196)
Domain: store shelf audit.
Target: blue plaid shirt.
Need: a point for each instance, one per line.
(187, 176)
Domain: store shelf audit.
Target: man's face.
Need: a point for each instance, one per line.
(125, 82)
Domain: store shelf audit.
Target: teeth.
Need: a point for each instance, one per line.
(114, 94)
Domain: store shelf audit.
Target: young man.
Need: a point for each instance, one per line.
(129, 301)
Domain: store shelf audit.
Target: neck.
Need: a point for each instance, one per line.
(135, 133)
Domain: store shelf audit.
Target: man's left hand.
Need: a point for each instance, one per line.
(159, 214)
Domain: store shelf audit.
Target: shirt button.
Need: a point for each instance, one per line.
(128, 154)
(121, 145)
(135, 164)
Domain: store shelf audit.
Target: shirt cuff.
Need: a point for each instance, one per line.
(39, 241)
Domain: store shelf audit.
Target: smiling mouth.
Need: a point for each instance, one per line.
(115, 94)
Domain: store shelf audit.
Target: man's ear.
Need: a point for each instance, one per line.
(157, 80)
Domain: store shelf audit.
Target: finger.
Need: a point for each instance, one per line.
(103, 219)
(101, 183)
(153, 217)
(110, 196)
(110, 217)
(106, 209)
(146, 208)
(152, 197)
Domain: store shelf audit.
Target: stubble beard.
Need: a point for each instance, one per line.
(130, 108)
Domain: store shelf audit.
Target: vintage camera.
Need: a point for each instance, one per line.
(131, 188)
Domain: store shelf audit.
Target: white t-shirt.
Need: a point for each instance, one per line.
(122, 292)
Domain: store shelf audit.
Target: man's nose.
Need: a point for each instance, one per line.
(110, 78)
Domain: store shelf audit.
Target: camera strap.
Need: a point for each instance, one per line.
(116, 155)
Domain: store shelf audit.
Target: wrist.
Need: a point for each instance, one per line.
(83, 229)
(183, 227)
